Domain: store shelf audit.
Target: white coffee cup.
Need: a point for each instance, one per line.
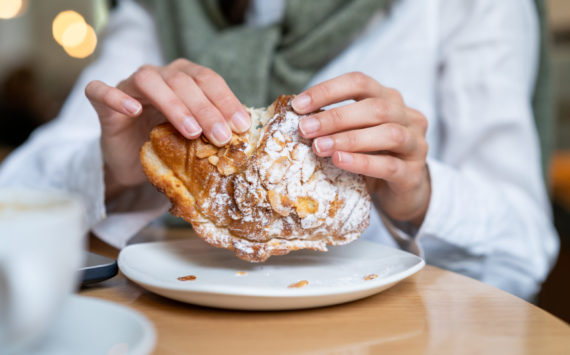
(42, 236)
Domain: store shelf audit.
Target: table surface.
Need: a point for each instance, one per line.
(434, 312)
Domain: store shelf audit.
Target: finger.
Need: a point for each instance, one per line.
(207, 115)
(355, 86)
(365, 113)
(148, 83)
(386, 167)
(105, 98)
(418, 120)
(219, 93)
(390, 137)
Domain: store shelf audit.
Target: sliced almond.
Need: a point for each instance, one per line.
(278, 170)
(205, 150)
(276, 202)
(282, 144)
(213, 159)
(286, 202)
(299, 284)
(305, 206)
(274, 144)
(335, 205)
(237, 157)
(225, 166)
(299, 151)
(187, 278)
(222, 151)
(308, 168)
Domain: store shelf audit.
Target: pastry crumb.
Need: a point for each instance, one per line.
(299, 284)
(370, 277)
(241, 273)
(187, 278)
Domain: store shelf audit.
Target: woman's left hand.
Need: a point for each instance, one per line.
(377, 136)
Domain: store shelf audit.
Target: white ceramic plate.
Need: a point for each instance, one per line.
(224, 281)
(91, 326)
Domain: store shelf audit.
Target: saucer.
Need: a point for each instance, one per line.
(91, 326)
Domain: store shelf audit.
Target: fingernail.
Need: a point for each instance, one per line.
(191, 127)
(324, 144)
(345, 158)
(309, 125)
(240, 121)
(131, 106)
(221, 133)
(301, 102)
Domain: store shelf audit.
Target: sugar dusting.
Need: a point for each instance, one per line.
(284, 165)
(305, 175)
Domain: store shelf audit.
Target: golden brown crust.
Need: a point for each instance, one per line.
(248, 196)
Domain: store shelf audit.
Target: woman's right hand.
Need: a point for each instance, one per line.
(193, 98)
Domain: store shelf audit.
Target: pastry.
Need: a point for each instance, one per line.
(264, 193)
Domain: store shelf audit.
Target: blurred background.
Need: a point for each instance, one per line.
(44, 45)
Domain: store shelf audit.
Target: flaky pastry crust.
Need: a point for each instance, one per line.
(265, 193)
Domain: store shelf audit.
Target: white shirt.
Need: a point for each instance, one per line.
(467, 65)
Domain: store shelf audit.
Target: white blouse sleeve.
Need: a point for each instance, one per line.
(66, 153)
(489, 206)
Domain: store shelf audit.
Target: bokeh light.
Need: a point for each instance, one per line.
(74, 34)
(10, 8)
(86, 47)
(63, 21)
(77, 38)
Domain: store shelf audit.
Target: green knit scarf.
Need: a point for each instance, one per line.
(260, 63)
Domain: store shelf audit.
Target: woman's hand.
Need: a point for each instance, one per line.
(193, 98)
(377, 136)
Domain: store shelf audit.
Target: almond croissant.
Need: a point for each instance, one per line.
(265, 193)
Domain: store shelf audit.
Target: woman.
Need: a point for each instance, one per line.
(455, 75)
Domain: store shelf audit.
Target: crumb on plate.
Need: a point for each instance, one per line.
(299, 284)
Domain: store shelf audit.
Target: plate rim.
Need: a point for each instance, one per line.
(254, 292)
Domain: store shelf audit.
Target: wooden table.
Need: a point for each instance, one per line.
(433, 312)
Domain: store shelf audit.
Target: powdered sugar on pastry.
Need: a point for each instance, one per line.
(273, 194)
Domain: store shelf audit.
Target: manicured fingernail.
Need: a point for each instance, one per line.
(240, 121)
(191, 127)
(221, 133)
(324, 144)
(345, 158)
(301, 102)
(309, 125)
(132, 107)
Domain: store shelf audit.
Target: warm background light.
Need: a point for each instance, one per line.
(86, 47)
(10, 8)
(62, 22)
(74, 34)
(77, 38)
